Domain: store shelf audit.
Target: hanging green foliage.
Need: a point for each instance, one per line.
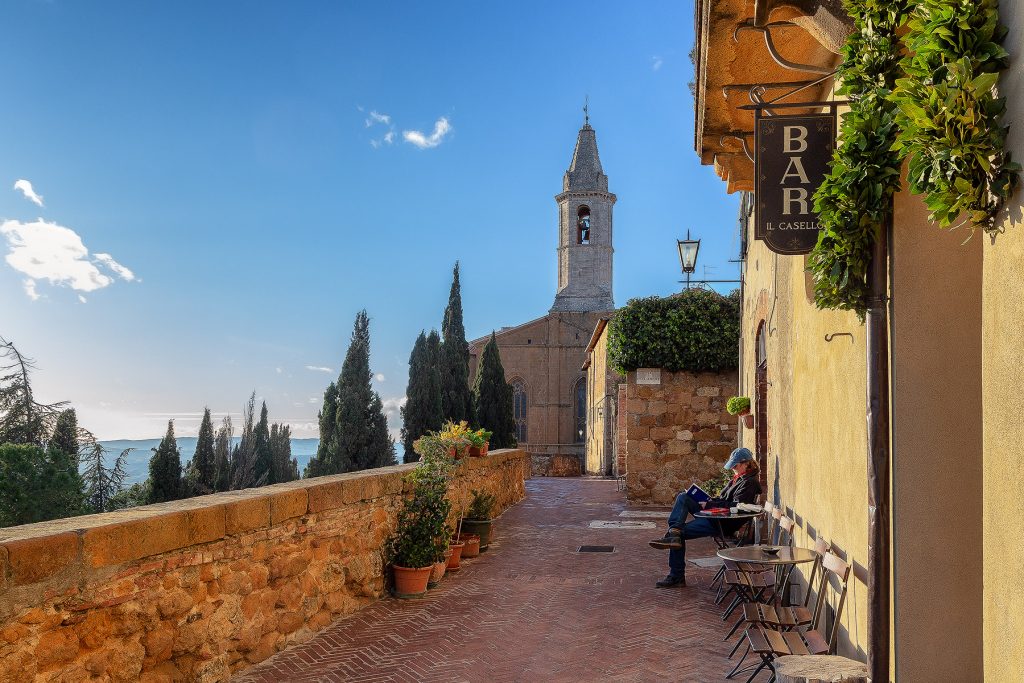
(855, 199)
(949, 115)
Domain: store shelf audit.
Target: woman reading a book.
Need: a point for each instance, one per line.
(744, 488)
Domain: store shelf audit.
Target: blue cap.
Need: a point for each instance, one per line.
(737, 456)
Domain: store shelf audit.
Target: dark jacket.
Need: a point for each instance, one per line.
(746, 489)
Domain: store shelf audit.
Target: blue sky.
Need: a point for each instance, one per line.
(227, 155)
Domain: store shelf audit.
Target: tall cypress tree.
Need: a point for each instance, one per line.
(456, 399)
(222, 455)
(165, 469)
(264, 457)
(492, 397)
(202, 472)
(422, 410)
(62, 491)
(285, 467)
(65, 434)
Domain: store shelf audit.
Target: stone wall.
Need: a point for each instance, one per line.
(677, 433)
(196, 589)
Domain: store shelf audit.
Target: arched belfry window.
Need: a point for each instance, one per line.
(583, 225)
(581, 410)
(519, 409)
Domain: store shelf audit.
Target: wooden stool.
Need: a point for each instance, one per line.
(820, 669)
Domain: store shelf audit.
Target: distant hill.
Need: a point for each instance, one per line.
(138, 459)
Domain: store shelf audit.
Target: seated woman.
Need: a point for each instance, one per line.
(744, 488)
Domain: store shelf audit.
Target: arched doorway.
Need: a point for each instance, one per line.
(761, 402)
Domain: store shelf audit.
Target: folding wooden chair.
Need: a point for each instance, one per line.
(760, 584)
(776, 616)
(769, 643)
(770, 520)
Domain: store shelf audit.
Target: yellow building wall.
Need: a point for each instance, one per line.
(816, 466)
(1002, 380)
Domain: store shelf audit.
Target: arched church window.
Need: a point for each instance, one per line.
(581, 410)
(583, 225)
(519, 409)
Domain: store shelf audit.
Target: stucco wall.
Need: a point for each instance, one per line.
(677, 433)
(936, 447)
(196, 589)
(602, 394)
(1002, 379)
(816, 466)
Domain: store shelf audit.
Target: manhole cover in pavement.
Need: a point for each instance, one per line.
(652, 514)
(620, 524)
(596, 549)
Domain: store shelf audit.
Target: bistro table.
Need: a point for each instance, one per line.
(755, 554)
(719, 518)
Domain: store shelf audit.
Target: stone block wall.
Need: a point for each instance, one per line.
(677, 433)
(196, 589)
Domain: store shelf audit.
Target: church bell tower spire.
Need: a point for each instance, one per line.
(585, 230)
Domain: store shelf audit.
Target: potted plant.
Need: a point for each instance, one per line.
(740, 406)
(478, 519)
(421, 537)
(455, 437)
(478, 442)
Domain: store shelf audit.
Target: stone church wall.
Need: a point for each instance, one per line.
(196, 589)
(677, 433)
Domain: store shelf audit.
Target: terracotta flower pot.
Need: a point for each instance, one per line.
(437, 573)
(487, 445)
(478, 451)
(480, 527)
(411, 582)
(472, 542)
(456, 550)
(748, 421)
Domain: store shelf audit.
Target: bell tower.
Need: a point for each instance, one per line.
(585, 231)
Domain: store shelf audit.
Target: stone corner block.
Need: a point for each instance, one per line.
(246, 514)
(135, 538)
(35, 558)
(288, 504)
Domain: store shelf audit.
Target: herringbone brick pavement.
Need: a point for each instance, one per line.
(533, 609)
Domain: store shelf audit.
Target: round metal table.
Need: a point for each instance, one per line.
(753, 553)
(739, 516)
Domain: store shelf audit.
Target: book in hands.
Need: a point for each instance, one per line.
(698, 494)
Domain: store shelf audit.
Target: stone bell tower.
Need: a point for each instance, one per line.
(585, 231)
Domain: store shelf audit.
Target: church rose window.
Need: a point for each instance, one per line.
(519, 406)
(583, 225)
(581, 410)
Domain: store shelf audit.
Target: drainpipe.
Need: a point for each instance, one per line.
(878, 459)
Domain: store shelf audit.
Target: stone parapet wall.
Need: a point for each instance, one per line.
(196, 589)
(677, 432)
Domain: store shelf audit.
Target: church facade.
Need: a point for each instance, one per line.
(543, 358)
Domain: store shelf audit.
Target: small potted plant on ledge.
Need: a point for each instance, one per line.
(422, 534)
(478, 519)
(740, 406)
(456, 438)
(478, 442)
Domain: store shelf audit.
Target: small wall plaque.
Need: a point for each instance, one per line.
(648, 376)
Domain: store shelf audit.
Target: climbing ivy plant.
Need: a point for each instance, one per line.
(855, 199)
(936, 103)
(949, 113)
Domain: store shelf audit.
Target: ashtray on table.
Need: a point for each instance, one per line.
(770, 550)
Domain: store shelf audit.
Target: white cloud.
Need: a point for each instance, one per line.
(52, 252)
(375, 143)
(376, 117)
(83, 299)
(314, 400)
(25, 187)
(656, 63)
(441, 128)
(389, 137)
(379, 377)
(119, 270)
(319, 368)
(30, 289)
(278, 370)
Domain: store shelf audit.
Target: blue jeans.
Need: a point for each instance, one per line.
(698, 528)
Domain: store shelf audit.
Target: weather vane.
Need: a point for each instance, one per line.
(586, 110)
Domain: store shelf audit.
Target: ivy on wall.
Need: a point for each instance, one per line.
(949, 114)
(936, 104)
(855, 199)
(696, 330)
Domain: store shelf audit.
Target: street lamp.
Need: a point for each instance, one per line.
(688, 256)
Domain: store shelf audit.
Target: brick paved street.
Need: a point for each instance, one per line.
(533, 609)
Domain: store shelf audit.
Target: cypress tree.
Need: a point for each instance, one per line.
(328, 439)
(422, 410)
(456, 399)
(222, 455)
(264, 457)
(61, 489)
(285, 467)
(165, 469)
(65, 434)
(492, 397)
(203, 468)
